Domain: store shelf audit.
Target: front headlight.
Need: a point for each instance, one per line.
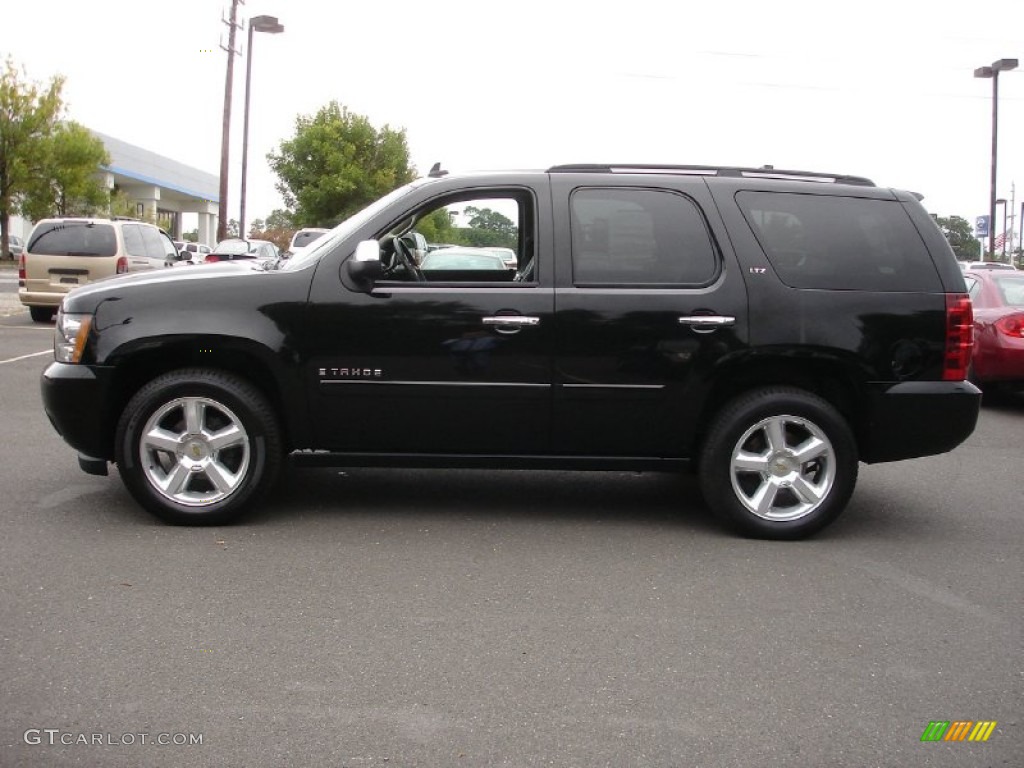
(69, 337)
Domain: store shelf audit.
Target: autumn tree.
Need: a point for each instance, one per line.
(29, 114)
(336, 164)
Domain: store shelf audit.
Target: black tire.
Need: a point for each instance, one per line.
(42, 314)
(804, 491)
(229, 455)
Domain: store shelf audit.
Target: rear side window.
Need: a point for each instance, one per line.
(630, 236)
(839, 243)
(73, 238)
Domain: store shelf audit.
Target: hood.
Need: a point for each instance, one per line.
(205, 279)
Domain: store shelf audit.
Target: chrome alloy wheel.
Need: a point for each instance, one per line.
(783, 468)
(194, 451)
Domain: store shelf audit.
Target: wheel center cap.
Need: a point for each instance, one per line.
(782, 465)
(196, 450)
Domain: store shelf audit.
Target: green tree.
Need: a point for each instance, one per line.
(279, 219)
(336, 164)
(961, 237)
(437, 227)
(29, 113)
(68, 184)
(488, 228)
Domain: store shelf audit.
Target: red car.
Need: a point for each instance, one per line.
(998, 298)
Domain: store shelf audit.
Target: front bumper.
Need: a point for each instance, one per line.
(76, 399)
(917, 418)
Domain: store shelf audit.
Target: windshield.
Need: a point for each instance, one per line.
(233, 247)
(317, 248)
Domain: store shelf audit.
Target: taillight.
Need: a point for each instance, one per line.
(21, 271)
(122, 265)
(1011, 325)
(959, 336)
(211, 258)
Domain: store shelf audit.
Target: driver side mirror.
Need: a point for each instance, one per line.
(364, 267)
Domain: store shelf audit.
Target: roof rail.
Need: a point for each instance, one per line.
(765, 172)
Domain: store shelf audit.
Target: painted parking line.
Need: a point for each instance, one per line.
(26, 357)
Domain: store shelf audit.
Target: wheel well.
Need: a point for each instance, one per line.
(135, 371)
(829, 381)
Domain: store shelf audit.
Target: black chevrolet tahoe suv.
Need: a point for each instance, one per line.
(766, 329)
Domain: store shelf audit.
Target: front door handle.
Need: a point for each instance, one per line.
(707, 323)
(510, 323)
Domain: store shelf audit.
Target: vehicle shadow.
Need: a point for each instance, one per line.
(625, 497)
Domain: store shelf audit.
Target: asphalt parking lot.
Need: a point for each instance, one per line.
(469, 618)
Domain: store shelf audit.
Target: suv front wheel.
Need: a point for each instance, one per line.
(778, 463)
(194, 446)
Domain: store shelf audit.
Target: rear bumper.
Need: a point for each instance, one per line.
(917, 418)
(75, 398)
(41, 298)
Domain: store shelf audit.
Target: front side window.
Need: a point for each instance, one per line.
(628, 236)
(482, 238)
(152, 238)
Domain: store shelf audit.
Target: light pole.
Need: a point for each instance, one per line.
(256, 24)
(1002, 201)
(1002, 65)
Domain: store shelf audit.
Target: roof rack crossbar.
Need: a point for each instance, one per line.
(766, 172)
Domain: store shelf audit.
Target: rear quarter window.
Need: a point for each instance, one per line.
(73, 238)
(839, 243)
(1011, 289)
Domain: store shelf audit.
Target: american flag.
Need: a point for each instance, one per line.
(998, 243)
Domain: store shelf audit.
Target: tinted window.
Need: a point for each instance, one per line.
(133, 242)
(628, 236)
(825, 241)
(73, 238)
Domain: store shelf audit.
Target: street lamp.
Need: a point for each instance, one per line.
(256, 24)
(1002, 65)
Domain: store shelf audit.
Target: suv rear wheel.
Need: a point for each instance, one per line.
(778, 463)
(194, 446)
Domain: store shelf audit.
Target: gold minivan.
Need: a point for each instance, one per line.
(62, 254)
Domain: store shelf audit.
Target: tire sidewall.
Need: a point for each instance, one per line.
(739, 416)
(246, 404)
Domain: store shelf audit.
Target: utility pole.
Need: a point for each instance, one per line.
(1012, 216)
(225, 141)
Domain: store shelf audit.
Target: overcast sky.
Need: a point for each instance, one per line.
(878, 89)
